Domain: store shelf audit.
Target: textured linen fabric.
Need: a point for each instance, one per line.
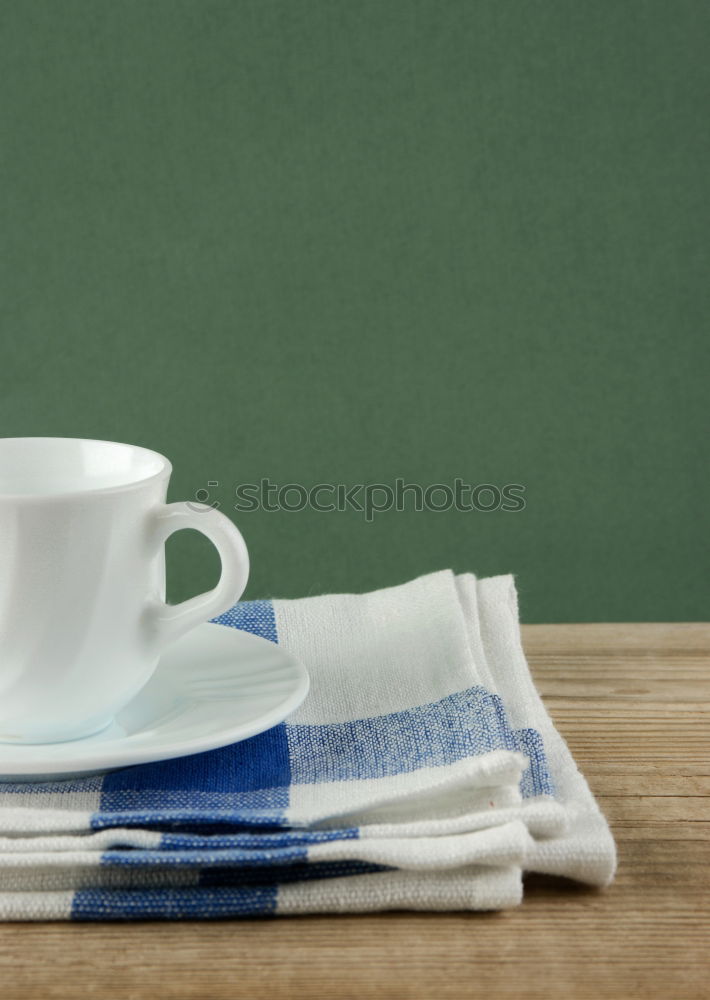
(421, 772)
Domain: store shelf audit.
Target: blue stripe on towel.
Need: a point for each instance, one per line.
(250, 781)
(205, 858)
(199, 903)
(220, 892)
(465, 724)
(251, 841)
(256, 617)
(299, 872)
(254, 775)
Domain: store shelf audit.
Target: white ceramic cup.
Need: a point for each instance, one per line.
(83, 618)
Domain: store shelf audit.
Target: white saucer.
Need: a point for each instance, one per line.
(215, 686)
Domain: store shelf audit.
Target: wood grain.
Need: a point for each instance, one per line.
(633, 703)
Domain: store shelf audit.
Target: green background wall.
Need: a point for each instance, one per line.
(346, 241)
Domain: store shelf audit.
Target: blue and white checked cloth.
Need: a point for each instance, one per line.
(422, 772)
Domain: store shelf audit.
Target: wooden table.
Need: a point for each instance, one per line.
(632, 701)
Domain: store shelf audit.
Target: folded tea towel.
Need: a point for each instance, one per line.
(422, 772)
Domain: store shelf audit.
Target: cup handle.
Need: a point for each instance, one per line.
(167, 622)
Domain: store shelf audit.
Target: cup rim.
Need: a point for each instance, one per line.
(164, 471)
